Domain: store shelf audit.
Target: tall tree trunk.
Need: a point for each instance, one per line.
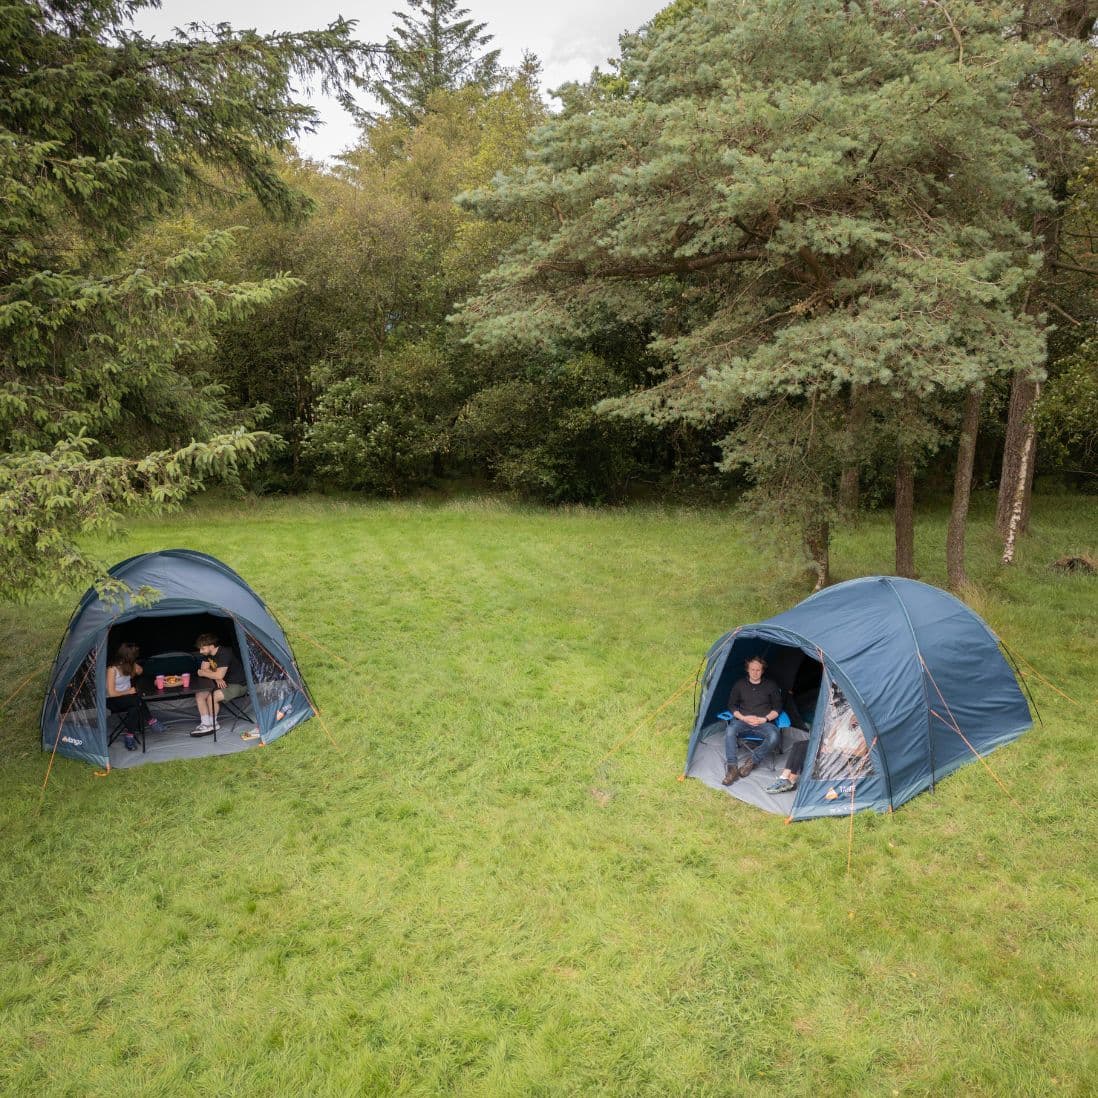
(850, 482)
(1015, 485)
(962, 491)
(1024, 478)
(904, 517)
(817, 543)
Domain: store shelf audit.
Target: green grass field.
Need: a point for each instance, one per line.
(465, 896)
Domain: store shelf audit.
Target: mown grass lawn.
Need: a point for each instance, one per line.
(464, 895)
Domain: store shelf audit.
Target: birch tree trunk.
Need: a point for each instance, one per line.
(1019, 511)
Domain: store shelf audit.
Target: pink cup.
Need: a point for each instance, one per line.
(186, 679)
(160, 682)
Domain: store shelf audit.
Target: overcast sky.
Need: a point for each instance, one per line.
(570, 37)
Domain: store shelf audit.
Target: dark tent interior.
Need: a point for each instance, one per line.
(797, 674)
(159, 636)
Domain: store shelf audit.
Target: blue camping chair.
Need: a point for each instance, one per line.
(782, 723)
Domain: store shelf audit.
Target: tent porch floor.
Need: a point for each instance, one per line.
(707, 766)
(177, 742)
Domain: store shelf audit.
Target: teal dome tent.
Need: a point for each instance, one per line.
(893, 683)
(197, 594)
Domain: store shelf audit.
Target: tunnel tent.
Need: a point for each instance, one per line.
(196, 594)
(893, 683)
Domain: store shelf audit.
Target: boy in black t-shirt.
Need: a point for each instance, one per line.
(755, 703)
(220, 677)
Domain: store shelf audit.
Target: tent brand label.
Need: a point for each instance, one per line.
(830, 795)
(69, 739)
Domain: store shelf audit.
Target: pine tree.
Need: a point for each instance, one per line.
(799, 199)
(103, 130)
(435, 47)
(1053, 103)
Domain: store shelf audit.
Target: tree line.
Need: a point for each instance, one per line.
(818, 255)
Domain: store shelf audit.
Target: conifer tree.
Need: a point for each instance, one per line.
(101, 131)
(1060, 108)
(799, 199)
(435, 47)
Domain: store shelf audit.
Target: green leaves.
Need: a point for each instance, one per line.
(49, 498)
(101, 131)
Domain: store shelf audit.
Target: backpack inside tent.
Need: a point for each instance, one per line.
(892, 683)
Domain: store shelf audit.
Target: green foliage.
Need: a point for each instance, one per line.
(101, 131)
(787, 198)
(469, 896)
(542, 437)
(434, 48)
(349, 357)
(384, 427)
(49, 498)
(1067, 413)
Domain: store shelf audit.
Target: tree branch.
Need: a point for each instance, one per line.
(653, 270)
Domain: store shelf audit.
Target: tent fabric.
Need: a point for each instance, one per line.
(909, 664)
(74, 718)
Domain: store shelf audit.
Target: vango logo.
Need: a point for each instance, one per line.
(69, 739)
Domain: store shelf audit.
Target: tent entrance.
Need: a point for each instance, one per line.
(800, 678)
(160, 634)
(166, 642)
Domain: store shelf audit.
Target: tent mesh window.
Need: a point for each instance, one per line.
(843, 751)
(274, 689)
(79, 712)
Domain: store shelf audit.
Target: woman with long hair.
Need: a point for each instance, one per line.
(122, 696)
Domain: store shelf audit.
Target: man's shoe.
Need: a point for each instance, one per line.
(731, 773)
(203, 730)
(130, 741)
(782, 785)
(747, 768)
(156, 726)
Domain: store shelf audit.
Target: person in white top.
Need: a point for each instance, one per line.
(122, 696)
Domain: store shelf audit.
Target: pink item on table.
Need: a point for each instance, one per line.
(186, 679)
(160, 682)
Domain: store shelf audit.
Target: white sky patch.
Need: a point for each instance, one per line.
(569, 37)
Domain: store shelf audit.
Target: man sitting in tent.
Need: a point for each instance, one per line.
(755, 703)
(220, 677)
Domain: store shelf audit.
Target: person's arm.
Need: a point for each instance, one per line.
(775, 703)
(138, 669)
(214, 672)
(734, 699)
(219, 672)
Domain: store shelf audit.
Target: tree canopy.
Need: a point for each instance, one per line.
(101, 131)
(435, 47)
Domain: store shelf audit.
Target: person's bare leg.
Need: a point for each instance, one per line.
(215, 704)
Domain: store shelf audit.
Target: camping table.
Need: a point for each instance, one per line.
(146, 687)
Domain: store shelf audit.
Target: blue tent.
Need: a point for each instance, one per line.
(893, 683)
(197, 594)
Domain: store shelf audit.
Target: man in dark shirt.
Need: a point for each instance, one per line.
(220, 677)
(755, 703)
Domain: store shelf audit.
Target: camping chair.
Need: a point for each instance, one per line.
(755, 738)
(238, 708)
(117, 727)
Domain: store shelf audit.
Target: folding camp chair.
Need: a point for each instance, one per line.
(117, 727)
(756, 738)
(238, 708)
